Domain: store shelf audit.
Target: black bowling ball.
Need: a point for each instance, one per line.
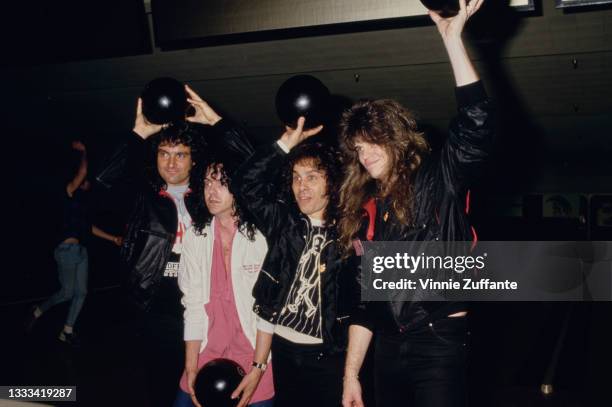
(164, 100)
(302, 95)
(446, 8)
(216, 381)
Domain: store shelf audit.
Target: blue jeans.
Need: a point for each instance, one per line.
(72, 267)
(184, 400)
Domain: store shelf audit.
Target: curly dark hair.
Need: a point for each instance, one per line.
(200, 216)
(185, 133)
(388, 124)
(325, 158)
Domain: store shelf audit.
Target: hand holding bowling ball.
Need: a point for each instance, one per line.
(164, 101)
(203, 113)
(142, 126)
(302, 95)
(445, 8)
(292, 137)
(248, 386)
(216, 381)
(449, 18)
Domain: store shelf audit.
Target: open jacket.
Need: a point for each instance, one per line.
(441, 205)
(151, 231)
(256, 186)
(195, 277)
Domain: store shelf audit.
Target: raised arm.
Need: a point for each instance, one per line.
(470, 133)
(127, 160)
(451, 30)
(256, 185)
(470, 137)
(81, 173)
(230, 141)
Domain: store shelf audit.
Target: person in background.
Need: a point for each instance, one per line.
(71, 252)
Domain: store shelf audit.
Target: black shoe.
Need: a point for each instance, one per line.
(70, 339)
(30, 319)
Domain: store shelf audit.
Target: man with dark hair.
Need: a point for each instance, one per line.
(158, 161)
(305, 289)
(223, 256)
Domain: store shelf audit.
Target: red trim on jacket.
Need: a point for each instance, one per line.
(163, 192)
(467, 211)
(370, 208)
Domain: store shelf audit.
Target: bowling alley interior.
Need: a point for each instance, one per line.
(74, 73)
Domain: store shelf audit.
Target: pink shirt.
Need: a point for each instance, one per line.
(225, 336)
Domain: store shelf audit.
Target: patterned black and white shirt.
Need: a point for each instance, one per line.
(301, 313)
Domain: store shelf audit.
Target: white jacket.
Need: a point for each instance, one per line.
(194, 280)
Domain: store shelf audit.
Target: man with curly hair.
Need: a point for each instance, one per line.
(157, 161)
(304, 291)
(222, 257)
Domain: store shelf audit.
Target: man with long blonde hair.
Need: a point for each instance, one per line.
(395, 189)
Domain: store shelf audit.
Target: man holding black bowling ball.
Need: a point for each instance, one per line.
(157, 161)
(222, 257)
(305, 289)
(415, 195)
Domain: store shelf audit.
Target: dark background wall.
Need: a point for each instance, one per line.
(530, 67)
(549, 71)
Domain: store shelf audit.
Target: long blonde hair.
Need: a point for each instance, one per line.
(388, 124)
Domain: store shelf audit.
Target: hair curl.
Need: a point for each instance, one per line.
(200, 215)
(386, 123)
(323, 157)
(184, 133)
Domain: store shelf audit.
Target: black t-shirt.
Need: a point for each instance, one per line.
(76, 218)
(167, 299)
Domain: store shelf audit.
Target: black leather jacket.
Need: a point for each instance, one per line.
(285, 227)
(441, 186)
(152, 225)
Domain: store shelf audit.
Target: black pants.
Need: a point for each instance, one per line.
(305, 376)
(426, 367)
(165, 357)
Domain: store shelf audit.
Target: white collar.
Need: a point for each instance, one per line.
(316, 222)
